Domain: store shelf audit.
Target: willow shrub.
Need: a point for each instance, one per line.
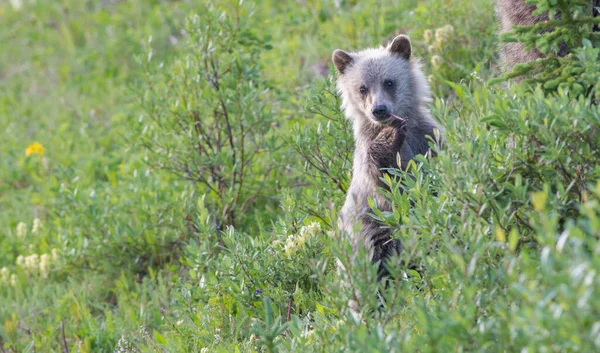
(501, 233)
(207, 119)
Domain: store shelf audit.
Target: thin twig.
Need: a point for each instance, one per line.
(64, 339)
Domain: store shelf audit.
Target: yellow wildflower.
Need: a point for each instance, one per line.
(35, 148)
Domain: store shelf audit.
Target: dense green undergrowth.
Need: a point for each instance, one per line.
(171, 172)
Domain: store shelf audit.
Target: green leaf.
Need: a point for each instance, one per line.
(159, 338)
(513, 240)
(538, 200)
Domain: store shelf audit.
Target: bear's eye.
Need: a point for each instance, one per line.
(388, 83)
(363, 90)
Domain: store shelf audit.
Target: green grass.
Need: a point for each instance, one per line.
(501, 229)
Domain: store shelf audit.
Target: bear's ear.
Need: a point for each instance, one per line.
(341, 60)
(400, 46)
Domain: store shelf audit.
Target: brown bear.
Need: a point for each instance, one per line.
(383, 93)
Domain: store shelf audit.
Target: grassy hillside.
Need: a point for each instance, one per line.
(171, 172)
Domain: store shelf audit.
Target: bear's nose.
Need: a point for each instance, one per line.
(380, 111)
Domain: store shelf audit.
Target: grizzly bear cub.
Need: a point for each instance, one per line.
(383, 93)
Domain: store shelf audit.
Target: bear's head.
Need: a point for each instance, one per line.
(376, 84)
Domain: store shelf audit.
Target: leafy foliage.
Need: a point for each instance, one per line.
(210, 123)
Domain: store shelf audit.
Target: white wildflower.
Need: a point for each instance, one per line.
(54, 254)
(16, 4)
(290, 246)
(21, 230)
(428, 36)
(204, 350)
(444, 33)
(21, 261)
(32, 263)
(13, 280)
(44, 265)
(37, 224)
(4, 274)
(436, 61)
(307, 232)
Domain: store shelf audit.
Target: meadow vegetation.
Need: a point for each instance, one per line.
(171, 173)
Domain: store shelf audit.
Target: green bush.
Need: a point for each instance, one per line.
(208, 118)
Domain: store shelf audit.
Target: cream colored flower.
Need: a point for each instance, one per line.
(444, 33)
(436, 61)
(290, 246)
(20, 261)
(32, 263)
(16, 4)
(21, 230)
(36, 226)
(428, 36)
(54, 254)
(44, 265)
(4, 274)
(13, 280)
(307, 232)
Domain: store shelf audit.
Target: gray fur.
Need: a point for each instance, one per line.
(379, 141)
